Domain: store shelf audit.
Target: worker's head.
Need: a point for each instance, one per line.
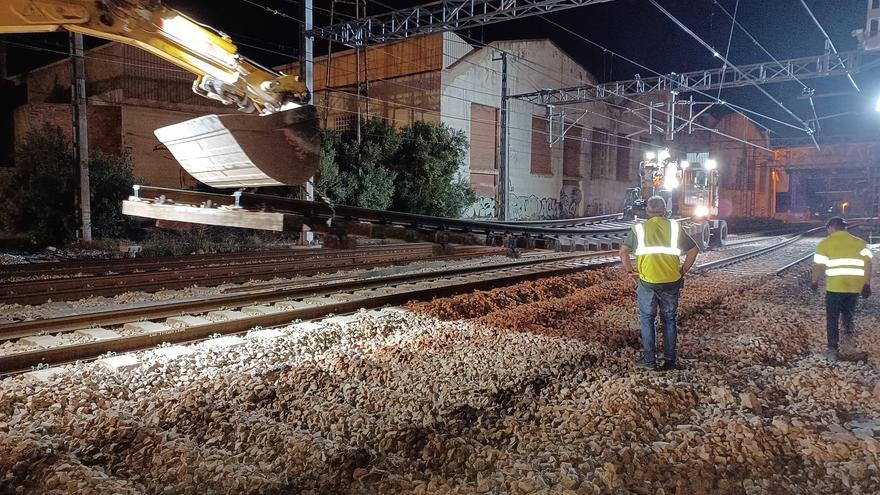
(835, 223)
(656, 206)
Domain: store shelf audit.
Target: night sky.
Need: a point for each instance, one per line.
(632, 28)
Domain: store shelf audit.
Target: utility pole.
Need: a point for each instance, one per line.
(306, 61)
(357, 70)
(503, 173)
(81, 132)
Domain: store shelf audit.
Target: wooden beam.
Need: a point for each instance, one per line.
(259, 220)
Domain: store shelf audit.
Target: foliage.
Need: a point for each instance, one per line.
(42, 192)
(328, 181)
(201, 239)
(110, 180)
(427, 163)
(413, 170)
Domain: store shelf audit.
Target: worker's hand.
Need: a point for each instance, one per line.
(634, 275)
(814, 286)
(866, 291)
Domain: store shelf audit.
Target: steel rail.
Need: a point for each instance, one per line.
(257, 295)
(789, 266)
(598, 219)
(447, 282)
(713, 265)
(129, 265)
(322, 212)
(65, 289)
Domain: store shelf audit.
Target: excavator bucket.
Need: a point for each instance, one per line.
(240, 150)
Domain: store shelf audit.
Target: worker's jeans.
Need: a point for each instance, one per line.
(649, 298)
(839, 306)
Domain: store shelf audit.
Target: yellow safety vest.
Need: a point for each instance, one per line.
(658, 251)
(844, 257)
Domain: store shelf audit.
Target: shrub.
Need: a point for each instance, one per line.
(413, 170)
(42, 192)
(427, 164)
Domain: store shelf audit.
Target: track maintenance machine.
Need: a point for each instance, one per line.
(690, 188)
(275, 139)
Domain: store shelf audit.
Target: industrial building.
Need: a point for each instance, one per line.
(437, 78)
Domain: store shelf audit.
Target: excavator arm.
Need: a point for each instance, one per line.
(281, 148)
(222, 73)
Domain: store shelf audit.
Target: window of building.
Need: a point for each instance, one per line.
(599, 162)
(624, 158)
(484, 138)
(344, 122)
(573, 158)
(875, 4)
(541, 163)
(874, 26)
(484, 150)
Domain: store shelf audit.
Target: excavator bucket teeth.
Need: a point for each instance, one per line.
(240, 150)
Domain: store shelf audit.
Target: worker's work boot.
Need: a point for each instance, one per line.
(668, 366)
(831, 355)
(644, 365)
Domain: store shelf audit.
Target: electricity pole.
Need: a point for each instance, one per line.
(81, 132)
(306, 61)
(503, 172)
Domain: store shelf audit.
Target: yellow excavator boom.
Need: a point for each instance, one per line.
(221, 73)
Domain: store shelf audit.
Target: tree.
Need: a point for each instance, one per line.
(427, 165)
(413, 170)
(356, 173)
(41, 194)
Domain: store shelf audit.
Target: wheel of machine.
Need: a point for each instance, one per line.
(705, 235)
(719, 234)
(699, 233)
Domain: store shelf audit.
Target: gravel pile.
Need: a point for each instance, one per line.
(527, 389)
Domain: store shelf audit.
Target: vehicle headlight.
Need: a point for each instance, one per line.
(701, 211)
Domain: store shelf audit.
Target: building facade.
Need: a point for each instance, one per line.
(439, 78)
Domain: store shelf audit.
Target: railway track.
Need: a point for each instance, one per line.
(343, 222)
(77, 280)
(783, 252)
(89, 335)
(268, 305)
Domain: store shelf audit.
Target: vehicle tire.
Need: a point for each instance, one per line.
(699, 233)
(719, 234)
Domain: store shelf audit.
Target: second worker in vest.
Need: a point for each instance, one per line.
(658, 244)
(846, 261)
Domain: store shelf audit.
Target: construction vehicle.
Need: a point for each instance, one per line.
(277, 144)
(690, 188)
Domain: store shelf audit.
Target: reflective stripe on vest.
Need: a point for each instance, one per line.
(672, 249)
(839, 267)
(844, 272)
(866, 252)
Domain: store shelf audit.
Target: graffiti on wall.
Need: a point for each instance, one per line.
(531, 207)
(483, 208)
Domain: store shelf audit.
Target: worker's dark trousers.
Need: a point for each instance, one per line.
(839, 305)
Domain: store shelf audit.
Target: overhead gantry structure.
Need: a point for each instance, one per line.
(711, 79)
(660, 116)
(435, 17)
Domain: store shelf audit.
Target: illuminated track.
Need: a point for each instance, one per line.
(274, 304)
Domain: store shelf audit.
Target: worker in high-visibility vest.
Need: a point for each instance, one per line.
(846, 262)
(658, 244)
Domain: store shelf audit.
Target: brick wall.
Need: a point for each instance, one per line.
(105, 122)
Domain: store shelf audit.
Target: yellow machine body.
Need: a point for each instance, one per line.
(276, 146)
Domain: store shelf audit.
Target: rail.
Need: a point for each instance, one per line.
(323, 213)
(394, 289)
(712, 265)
